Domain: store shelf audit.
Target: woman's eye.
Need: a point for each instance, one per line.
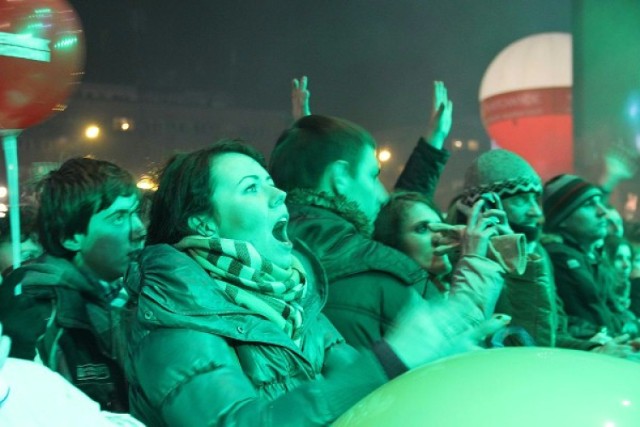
(251, 189)
(422, 228)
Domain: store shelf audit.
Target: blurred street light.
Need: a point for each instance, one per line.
(146, 183)
(92, 132)
(123, 124)
(384, 155)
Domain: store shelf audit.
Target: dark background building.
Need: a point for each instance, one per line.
(163, 76)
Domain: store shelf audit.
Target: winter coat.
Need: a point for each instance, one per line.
(584, 285)
(75, 328)
(532, 301)
(197, 359)
(422, 171)
(369, 282)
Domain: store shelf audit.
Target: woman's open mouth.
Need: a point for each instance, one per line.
(280, 230)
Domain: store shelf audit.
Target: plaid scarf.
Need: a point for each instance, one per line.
(252, 281)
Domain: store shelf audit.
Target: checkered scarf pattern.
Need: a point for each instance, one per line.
(252, 281)
(505, 188)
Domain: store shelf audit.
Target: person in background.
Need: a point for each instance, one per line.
(68, 302)
(30, 248)
(632, 234)
(403, 224)
(221, 281)
(615, 224)
(329, 167)
(411, 223)
(620, 253)
(530, 298)
(574, 211)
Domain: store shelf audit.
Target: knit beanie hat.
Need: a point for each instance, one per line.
(502, 172)
(564, 194)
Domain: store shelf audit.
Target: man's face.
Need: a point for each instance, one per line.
(588, 223)
(365, 187)
(523, 209)
(524, 214)
(113, 239)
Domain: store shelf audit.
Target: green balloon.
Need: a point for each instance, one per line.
(508, 387)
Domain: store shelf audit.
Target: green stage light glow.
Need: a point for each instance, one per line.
(65, 42)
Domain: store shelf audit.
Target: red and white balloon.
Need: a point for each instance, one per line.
(525, 101)
(41, 59)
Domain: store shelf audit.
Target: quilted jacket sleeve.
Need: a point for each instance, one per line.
(192, 378)
(477, 283)
(423, 169)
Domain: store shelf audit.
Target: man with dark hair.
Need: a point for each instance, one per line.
(329, 167)
(67, 302)
(575, 211)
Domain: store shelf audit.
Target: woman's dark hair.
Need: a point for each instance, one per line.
(611, 245)
(184, 190)
(392, 215)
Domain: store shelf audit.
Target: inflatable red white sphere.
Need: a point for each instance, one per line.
(41, 60)
(525, 101)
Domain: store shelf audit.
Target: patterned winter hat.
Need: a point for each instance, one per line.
(564, 194)
(499, 171)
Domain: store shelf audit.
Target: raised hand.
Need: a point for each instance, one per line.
(486, 219)
(441, 116)
(480, 228)
(300, 98)
(620, 347)
(425, 332)
(619, 163)
(496, 210)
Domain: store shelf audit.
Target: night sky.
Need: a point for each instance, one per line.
(370, 61)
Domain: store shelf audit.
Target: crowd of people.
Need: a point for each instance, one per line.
(281, 293)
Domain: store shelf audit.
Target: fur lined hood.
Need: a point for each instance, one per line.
(337, 204)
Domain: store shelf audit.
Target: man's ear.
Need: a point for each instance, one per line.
(338, 177)
(73, 243)
(203, 225)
